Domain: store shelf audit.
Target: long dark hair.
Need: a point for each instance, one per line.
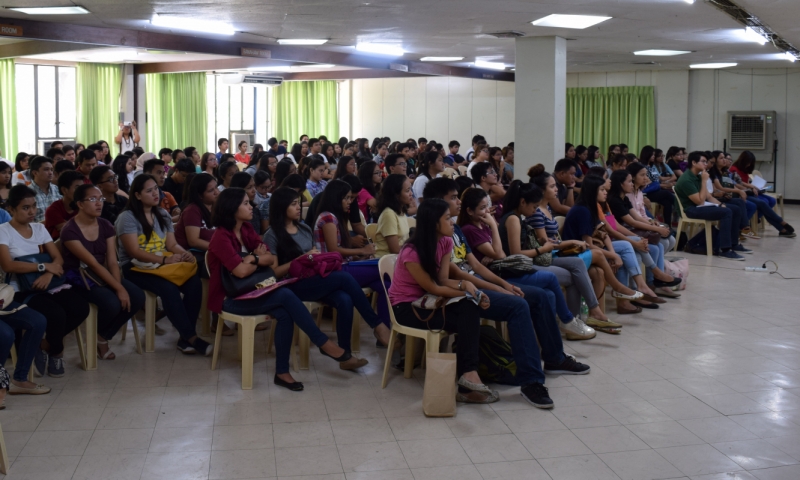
(390, 194)
(119, 166)
(282, 170)
(341, 171)
(313, 164)
(425, 163)
(224, 213)
(365, 175)
(588, 197)
(279, 202)
(593, 149)
(17, 162)
(634, 169)
(618, 177)
(648, 152)
(295, 152)
(331, 201)
(197, 188)
(470, 199)
(519, 191)
(222, 171)
(746, 162)
(136, 207)
(425, 239)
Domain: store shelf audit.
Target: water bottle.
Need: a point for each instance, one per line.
(584, 309)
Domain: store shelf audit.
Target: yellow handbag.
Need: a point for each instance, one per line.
(177, 273)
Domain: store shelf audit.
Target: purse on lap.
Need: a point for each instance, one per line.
(25, 281)
(234, 286)
(177, 273)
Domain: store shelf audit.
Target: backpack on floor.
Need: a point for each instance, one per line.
(495, 361)
(697, 244)
(679, 268)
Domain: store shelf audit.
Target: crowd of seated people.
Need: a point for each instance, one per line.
(78, 227)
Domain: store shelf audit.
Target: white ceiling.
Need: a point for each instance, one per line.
(460, 27)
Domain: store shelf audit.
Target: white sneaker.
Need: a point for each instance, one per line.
(577, 330)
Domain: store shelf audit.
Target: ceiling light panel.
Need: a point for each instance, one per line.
(302, 41)
(381, 49)
(713, 65)
(193, 25)
(441, 59)
(752, 35)
(490, 65)
(661, 53)
(71, 10)
(569, 21)
(789, 56)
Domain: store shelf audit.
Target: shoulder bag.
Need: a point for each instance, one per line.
(528, 241)
(235, 286)
(322, 264)
(512, 266)
(6, 298)
(177, 273)
(25, 281)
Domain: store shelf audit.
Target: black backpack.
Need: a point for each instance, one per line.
(495, 361)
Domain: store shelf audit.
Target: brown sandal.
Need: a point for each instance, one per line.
(628, 312)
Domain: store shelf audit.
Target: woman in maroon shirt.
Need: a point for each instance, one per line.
(234, 236)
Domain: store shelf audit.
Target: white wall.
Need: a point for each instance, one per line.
(691, 109)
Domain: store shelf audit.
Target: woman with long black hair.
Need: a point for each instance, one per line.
(123, 167)
(371, 176)
(663, 195)
(235, 236)
(289, 238)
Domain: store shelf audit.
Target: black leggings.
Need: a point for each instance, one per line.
(64, 311)
(461, 317)
(666, 199)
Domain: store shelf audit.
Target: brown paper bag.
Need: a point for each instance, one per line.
(439, 397)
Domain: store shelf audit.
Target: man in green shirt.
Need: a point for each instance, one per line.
(697, 203)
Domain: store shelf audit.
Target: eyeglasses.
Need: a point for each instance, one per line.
(112, 178)
(94, 199)
(400, 164)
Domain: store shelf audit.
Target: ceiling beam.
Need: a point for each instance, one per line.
(119, 37)
(38, 47)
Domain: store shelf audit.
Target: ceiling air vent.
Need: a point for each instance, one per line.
(508, 34)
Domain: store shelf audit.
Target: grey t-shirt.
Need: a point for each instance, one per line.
(127, 223)
(304, 239)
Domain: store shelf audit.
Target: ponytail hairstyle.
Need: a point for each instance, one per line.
(425, 163)
(470, 199)
(136, 207)
(634, 169)
(538, 176)
(222, 171)
(588, 197)
(425, 239)
(618, 177)
(279, 202)
(519, 191)
(315, 162)
(80, 194)
(331, 201)
(194, 195)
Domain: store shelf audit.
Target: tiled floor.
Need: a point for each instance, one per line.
(706, 388)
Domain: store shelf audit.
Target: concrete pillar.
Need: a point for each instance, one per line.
(541, 102)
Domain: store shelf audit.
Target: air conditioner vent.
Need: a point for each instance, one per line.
(508, 34)
(748, 132)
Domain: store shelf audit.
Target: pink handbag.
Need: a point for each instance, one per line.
(678, 268)
(321, 264)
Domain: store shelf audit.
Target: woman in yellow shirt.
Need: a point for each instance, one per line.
(394, 200)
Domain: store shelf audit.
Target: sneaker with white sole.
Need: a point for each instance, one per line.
(577, 330)
(39, 362)
(569, 366)
(55, 367)
(537, 395)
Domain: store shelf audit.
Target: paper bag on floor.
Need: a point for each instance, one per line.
(439, 398)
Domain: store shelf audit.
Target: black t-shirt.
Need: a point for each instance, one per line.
(562, 193)
(354, 214)
(620, 206)
(175, 188)
(111, 210)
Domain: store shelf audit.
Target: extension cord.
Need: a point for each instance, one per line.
(755, 269)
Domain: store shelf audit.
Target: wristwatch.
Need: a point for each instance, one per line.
(40, 268)
(256, 259)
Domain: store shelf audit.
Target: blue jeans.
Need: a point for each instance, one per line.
(765, 208)
(182, 312)
(728, 218)
(340, 290)
(654, 258)
(110, 315)
(744, 218)
(367, 275)
(34, 324)
(288, 310)
(630, 265)
(548, 282)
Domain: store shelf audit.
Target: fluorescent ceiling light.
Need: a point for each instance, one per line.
(440, 59)
(789, 56)
(491, 65)
(193, 25)
(689, 1)
(381, 49)
(569, 21)
(71, 10)
(301, 41)
(661, 53)
(752, 35)
(713, 65)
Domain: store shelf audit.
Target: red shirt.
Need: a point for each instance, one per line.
(224, 251)
(192, 216)
(745, 176)
(56, 214)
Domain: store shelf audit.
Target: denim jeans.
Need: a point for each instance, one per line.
(630, 264)
(288, 310)
(110, 315)
(182, 312)
(549, 283)
(728, 222)
(340, 290)
(367, 275)
(744, 219)
(34, 324)
(765, 209)
(654, 258)
(572, 274)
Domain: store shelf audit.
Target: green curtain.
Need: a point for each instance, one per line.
(8, 110)
(176, 111)
(305, 108)
(605, 116)
(98, 88)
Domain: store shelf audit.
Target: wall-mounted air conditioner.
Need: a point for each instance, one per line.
(44, 145)
(251, 79)
(238, 136)
(754, 131)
